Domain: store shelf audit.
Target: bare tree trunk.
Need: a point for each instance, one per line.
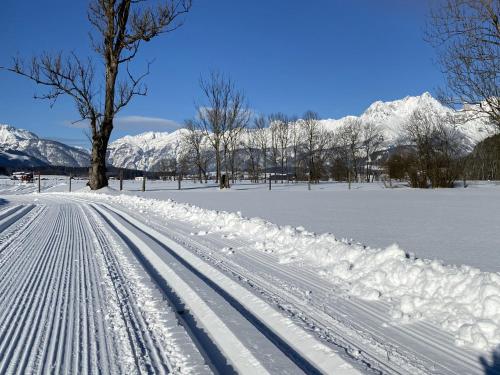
(97, 178)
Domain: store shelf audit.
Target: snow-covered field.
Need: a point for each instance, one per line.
(252, 295)
(458, 226)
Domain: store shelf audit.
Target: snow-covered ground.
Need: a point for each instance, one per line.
(458, 226)
(279, 297)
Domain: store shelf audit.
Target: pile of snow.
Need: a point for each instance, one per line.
(41, 150)
(462, 300)
(105, 190)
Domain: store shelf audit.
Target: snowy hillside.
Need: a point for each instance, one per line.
(44, 150)
(145, 150)
(18, 159)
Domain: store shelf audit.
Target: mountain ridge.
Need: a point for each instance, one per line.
(133, 152)
(47, 151)
(144, 151)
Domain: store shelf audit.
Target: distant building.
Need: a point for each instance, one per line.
(22, 176)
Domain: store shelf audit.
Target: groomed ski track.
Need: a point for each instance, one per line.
(67, 307)
(77, 279)
(69, 303)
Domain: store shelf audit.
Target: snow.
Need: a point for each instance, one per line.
(392, 115)
(244, 361)
(46, 151)
(457, 226)
(72, 301)
(143, 151)
(389, 304)
(463, 300)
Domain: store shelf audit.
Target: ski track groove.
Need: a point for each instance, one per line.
(13, 315)
(53, 313)
(58, 271)
(422, 331)
(373, 310)
(144, 342)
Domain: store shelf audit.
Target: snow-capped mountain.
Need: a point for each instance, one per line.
(391, 117)
(23, 143)
(144, 151)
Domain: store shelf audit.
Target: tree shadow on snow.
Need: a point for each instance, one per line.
(174, 188)
(491, 363)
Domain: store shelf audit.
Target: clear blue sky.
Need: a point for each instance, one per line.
(332, 56)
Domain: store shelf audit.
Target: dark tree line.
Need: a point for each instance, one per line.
(430, 153)
(484, 161)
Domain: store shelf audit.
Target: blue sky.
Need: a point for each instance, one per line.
(332, 56)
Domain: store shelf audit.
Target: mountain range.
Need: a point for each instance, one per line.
(145, 150)
(20, 148)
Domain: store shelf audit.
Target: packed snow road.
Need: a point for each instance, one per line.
(68, 306)
(86, 288)
(90, 284)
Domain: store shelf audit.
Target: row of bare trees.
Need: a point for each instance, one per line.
(225, 138)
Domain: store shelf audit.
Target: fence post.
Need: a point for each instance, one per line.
(70, 178)
(39, 182)
(144, 182)
(121, 179)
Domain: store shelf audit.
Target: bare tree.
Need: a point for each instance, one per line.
(251, 145)
(119, 28)
(222, 119)
(371, 141)
(439, 147)
(279, 123)
(274, 147)
(194, 138)
(311, 134)
(238, 121)
(466, 34)
(350, 140)
(295, 144)
(262, 138)
(339, 156)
